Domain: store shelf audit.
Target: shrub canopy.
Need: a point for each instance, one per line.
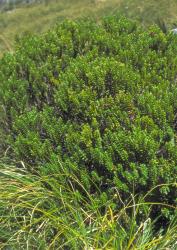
(99, 100)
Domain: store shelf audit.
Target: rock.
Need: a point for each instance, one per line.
(174, 31)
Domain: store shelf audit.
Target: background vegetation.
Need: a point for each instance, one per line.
(40, 16)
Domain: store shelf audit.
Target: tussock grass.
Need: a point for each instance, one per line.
(57, 212)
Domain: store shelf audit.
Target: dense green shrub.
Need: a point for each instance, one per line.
(99, 101)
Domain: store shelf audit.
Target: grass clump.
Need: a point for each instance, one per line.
(45, 213)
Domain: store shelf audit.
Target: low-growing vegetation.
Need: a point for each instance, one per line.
(46, 213)
(88, 115)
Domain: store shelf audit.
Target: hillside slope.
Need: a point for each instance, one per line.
(39, 17)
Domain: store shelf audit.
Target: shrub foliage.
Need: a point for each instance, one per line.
(97, 100)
